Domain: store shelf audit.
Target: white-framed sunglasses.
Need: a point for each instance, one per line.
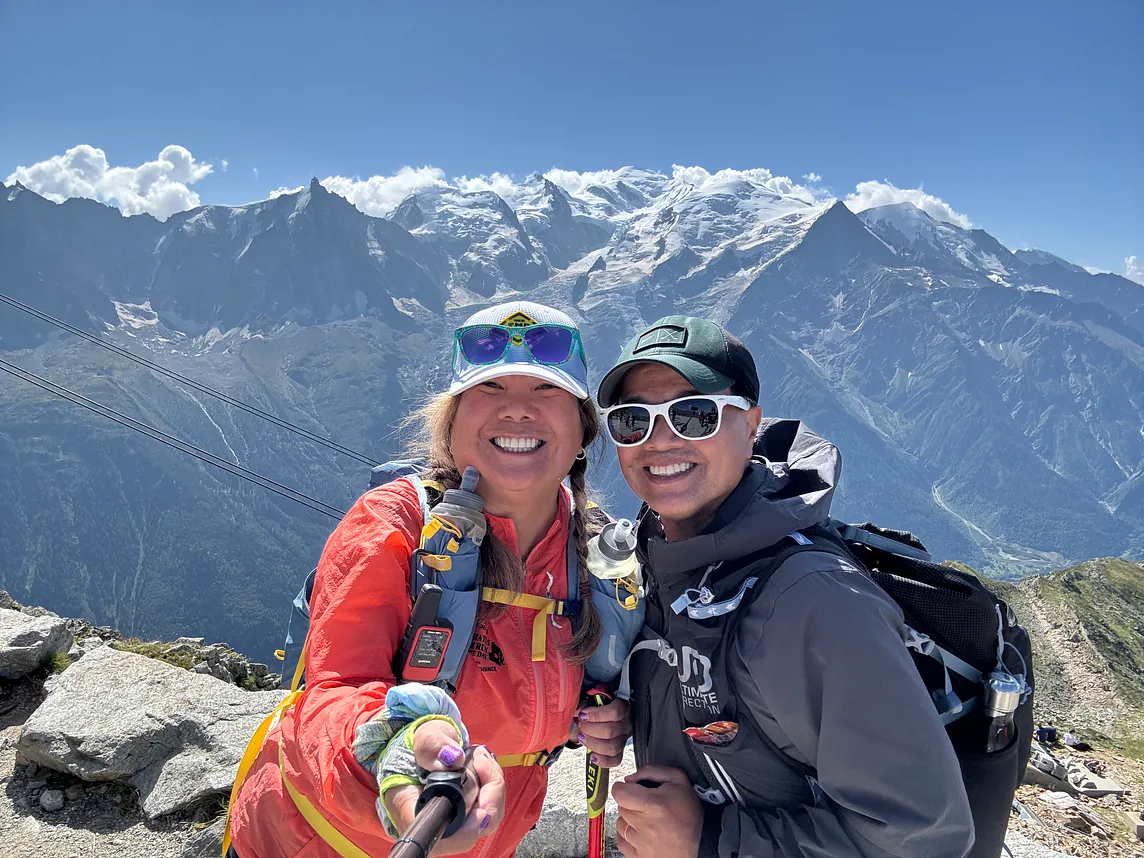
(690, 417)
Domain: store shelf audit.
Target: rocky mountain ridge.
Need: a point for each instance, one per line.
(988, 400)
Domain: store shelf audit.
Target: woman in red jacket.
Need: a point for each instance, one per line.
(519, 411)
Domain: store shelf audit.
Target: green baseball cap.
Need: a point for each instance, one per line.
(699, 350)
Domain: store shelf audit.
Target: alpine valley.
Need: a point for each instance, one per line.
(991, 401)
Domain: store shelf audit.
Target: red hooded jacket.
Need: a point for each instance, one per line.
(359, 610)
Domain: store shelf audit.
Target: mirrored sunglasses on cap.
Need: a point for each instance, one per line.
(481, 345)
(690, 417)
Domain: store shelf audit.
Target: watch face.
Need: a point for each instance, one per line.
(429, 648)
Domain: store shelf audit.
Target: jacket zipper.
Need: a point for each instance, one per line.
(538, 678)
(537, 672)
(562, 688)
(699, 761)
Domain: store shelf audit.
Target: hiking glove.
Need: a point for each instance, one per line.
(403, 705)
(383, 745)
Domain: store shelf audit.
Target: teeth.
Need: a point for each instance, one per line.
(517, 445)
(669, 470)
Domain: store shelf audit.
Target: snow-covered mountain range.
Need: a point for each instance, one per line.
(990, 400)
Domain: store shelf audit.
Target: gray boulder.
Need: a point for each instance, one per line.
(220, 672)
(173, 734)
(37, 611)
(82, 647)
(26, 641)
(206, 843)
(562, 831)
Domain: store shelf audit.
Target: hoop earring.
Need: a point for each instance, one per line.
(582, 455)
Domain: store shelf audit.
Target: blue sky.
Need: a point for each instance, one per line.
(1025, 117)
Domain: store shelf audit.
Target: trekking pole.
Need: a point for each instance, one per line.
(596, 783)
(440, 813)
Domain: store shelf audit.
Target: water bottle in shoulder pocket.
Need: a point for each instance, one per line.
(616, 594)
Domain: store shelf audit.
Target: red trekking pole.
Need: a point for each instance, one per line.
(596, 781)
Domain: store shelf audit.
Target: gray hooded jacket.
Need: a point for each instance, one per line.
(818, 661)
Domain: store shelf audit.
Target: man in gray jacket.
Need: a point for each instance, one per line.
(775, 708)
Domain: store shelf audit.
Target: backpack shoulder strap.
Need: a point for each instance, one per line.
(423, 487)
(429, 494)
(812, 539)
(756, 570)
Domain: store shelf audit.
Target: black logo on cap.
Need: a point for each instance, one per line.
(670, 336)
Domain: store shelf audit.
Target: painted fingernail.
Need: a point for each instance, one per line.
(450, 755)
(485, 822)
(595, 759)
(580, 738)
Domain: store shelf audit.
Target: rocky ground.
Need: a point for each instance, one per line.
(1103, 827)
(162, 726)
(47, 814)
(1072, 663)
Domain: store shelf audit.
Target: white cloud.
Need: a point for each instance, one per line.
(159, 187)
(868, 195)
(379, 195)
(1134, 269)
(498, 183)
(277, 192)
(707, 181)
(574, 182)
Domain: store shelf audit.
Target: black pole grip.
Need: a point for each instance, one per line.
(440, 813)
(448, 785)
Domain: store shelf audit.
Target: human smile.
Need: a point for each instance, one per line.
(514, 444)
(669, 470)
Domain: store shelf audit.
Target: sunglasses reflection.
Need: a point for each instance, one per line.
(548, 344)
(689, 418)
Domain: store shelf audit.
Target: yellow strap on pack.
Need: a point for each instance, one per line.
(544, 607)
(322, 826)
(299, 669)
(249, 755)
(440, 562)
(506, 761)
(434, 524)
(627, 593)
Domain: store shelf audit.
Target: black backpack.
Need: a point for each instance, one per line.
(962, 633)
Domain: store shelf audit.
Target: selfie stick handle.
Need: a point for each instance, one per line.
(440, 813)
